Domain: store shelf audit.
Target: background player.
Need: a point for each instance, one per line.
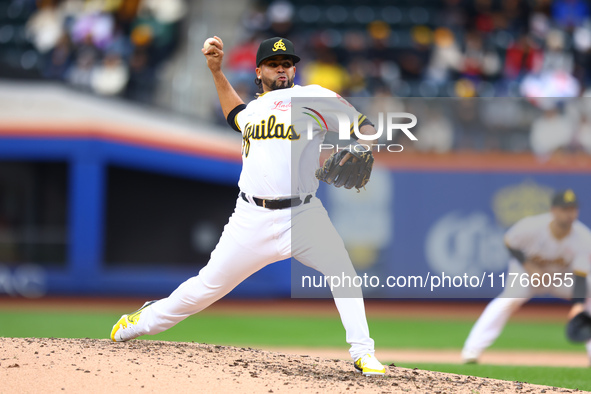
(277, 215)
(554, 243)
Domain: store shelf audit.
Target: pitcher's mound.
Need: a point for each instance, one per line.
(101, 366)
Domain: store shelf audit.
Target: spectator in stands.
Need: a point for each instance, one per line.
(452, 14)
(254, 20)
(545, 140)
(570, 13)
(548, 89)
(167, 12)
(539, 22)
(94, 29)
(45, 27)
(556, 58)
(466, 48)
(355, 44)
(161, 18)
(522, 57)
(120, 42)
(326, 71)
(239, 61)
(478, 62)
(110, 77)
(359, 84)
(362, 74)
(582, 54)
(89, 43)
(513, 16)
(80, 74)
(280, 15)
(414, 59)
(141, 84)
(379, 50)
(59, 60)
(446, 58)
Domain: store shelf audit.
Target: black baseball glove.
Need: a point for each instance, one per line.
(578, 329)
(355, 172)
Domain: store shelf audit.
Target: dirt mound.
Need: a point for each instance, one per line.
(97, 366)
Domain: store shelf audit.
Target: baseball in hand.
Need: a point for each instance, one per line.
(208, 43)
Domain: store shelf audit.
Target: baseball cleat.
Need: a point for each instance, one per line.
(470, 357)
(368, 365)
(125, 328)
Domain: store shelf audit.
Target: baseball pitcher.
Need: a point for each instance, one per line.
(277, 185)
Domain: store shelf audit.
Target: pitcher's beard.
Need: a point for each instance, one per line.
(276, 84)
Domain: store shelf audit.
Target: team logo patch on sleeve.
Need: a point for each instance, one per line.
(315, 118)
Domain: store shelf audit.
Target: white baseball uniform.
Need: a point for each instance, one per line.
(546, 254)
(279, 162)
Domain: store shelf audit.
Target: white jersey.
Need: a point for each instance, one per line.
(279, 155)
(532, 236)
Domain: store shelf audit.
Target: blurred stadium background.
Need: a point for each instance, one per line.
(118, 173)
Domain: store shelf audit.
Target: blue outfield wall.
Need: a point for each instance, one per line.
(85, 273)
(412, 223)
(453, 224)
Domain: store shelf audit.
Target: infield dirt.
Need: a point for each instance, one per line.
(35, 365)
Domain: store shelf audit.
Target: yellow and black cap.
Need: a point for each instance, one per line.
(565, 198)
(276, 46)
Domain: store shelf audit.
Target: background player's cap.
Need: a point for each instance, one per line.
(565, 198)
(276, 46)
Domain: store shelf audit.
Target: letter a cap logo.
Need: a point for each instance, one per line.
(279, 45)
(565, 198)
(276, 46)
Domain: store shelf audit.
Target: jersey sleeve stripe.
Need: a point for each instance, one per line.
(360, 121)
(580, 273)
(232, 118)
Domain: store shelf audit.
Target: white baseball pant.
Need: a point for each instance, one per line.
(254, 238)
(491, 322)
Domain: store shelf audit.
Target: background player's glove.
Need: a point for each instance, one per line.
(355, 172)
(578, 329)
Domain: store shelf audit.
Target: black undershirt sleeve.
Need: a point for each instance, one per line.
(363, 120)
(518, 254)
(232, 117)
(579, 289)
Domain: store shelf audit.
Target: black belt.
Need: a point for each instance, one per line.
(277, 204)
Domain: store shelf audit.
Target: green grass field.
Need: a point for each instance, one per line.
(573, 378)
(295, 331)
(265, 330)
